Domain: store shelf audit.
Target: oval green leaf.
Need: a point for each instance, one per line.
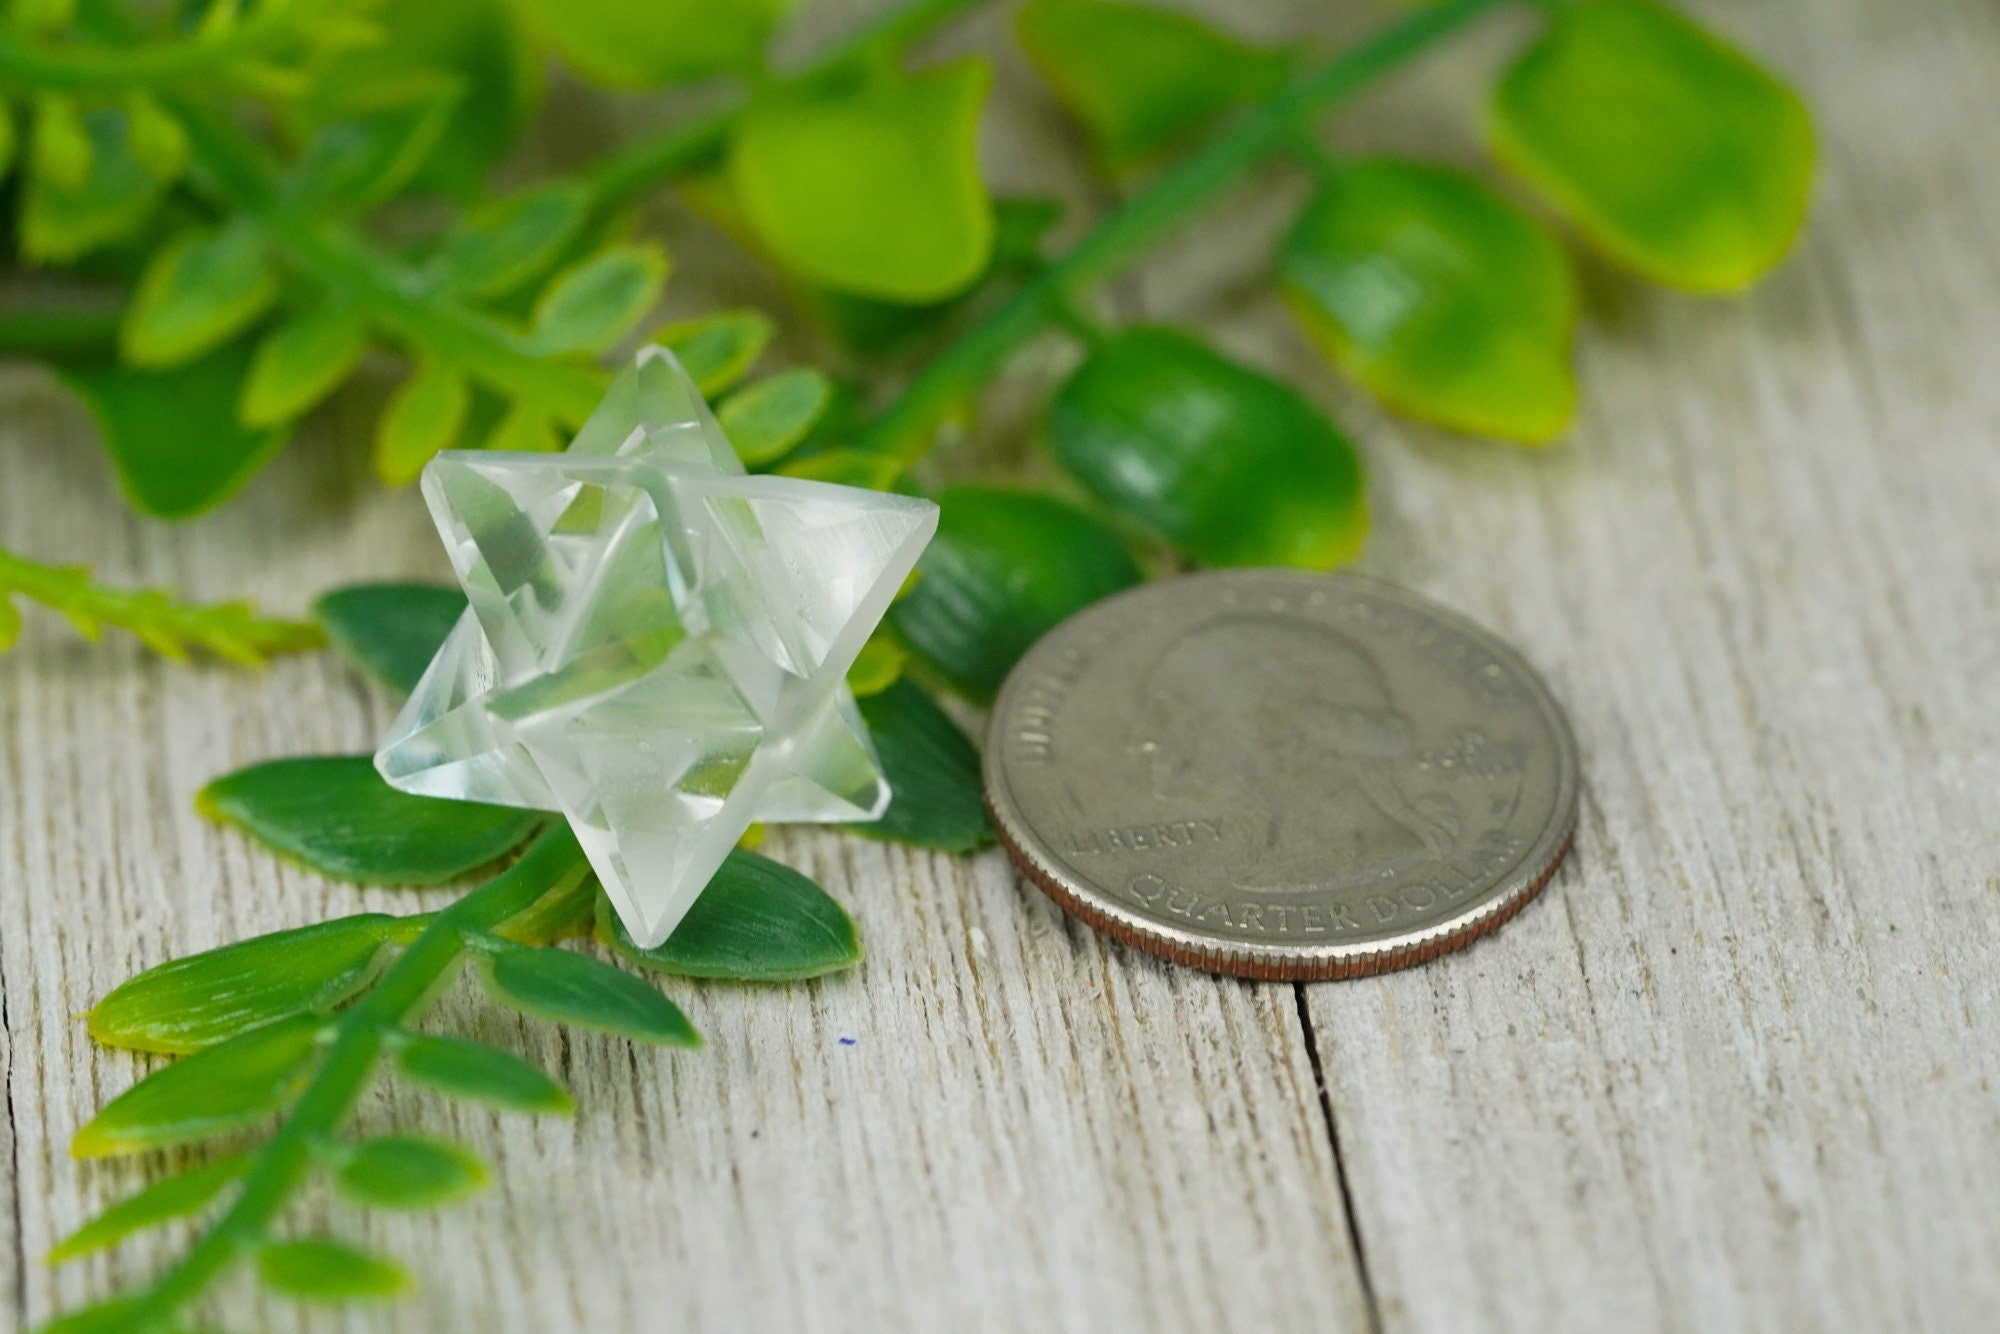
(218, 1089)
(367, 157)
(1231, 466)
(407, 1172)
(157, 139)
(933, 770)
(65, 215)
(319, 1270)
(390, 631)
(1141, 80)
(504, 243)
(718, 348)
(764, 420)
(479, 1073)
(424, 416)
(757, 921)
(1004, 567)
(565, 987)
(1673, 152)
(334, 814)
(591, 305)
(198, 290)
(644, 43)
(872, 188)
(174, 434)
(302, 361)
(161, 1202)
(1445, 301)
(187, 1004)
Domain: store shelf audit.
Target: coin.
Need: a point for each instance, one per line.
(1278, 774)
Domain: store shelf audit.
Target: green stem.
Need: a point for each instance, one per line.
(905, 427)
(93, 67)
(553, 865)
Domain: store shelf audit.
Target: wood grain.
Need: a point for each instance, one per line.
(1734, 1070)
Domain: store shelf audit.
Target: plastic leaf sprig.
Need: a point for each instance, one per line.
(161, 621)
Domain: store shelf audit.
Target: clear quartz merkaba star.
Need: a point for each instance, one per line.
(657, 644)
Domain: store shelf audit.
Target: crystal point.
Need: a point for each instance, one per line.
(656, 644)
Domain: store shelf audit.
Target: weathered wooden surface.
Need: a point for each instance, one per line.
(1734, 1070)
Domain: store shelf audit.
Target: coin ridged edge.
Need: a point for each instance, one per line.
(1331, 961)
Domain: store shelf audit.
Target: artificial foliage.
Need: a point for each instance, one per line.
(216, 213)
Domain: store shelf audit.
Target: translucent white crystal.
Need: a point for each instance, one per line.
(657, 644)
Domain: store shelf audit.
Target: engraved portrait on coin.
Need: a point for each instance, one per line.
(1281, 774)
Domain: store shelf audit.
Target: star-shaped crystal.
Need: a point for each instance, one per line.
(657, 644)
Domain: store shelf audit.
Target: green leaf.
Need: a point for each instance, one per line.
(10, 623)
(475, 46)
(1445, 301)
(390, 631)
(1004, 567)
(569, 988)
(405, 1172)
(424, 416)
(757, 921)
(327, 1271)
(716, 349)
(1141, 80)
(873, 188)
(199, 290)
(1674, 153)
(764, 420)
(162, 1202)
(481, 1073)
(187, 1004)
(62, 147)
(173, 434)
(848, 467)
(158, 141)
(525, 430)
(302, 361)
(334, 814)
(878, 666)
(591, 305)
(504, 243)
(935, 796)
(644, 43)
(113, 1317)
(216, 1090)
(62, 217)
(367, 157)
(1229, 465)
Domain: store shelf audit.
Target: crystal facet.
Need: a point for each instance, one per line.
(656, 645)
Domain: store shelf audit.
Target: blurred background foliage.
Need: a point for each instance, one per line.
(216, 212)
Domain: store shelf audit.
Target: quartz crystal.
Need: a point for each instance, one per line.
(657, 644)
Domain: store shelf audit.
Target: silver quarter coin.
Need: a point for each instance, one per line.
(1279, 774)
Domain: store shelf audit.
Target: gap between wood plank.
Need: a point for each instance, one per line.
(1339, 1163)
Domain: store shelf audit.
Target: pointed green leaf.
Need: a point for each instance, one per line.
(757, 921)
(302, 361)
(645, 43)
(481, 1073)
(1141, 80)
(187, 1004)
(161, 1202)
(1229, 465)
(390, 631)
(716, 349)
(874, 188)
(569, 988)
(502, 244)
(764, 420)
(1445, 301)
(424, 416)
(405, 1172)
(334, 814)
(593, 304)
(932, 766)
(1004, 568)
(367, 157)
(174, 434)
(1673, 152)
(158, 141)
(328, 1271)
(198, 290)
(63, 218)
(218, 1089)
